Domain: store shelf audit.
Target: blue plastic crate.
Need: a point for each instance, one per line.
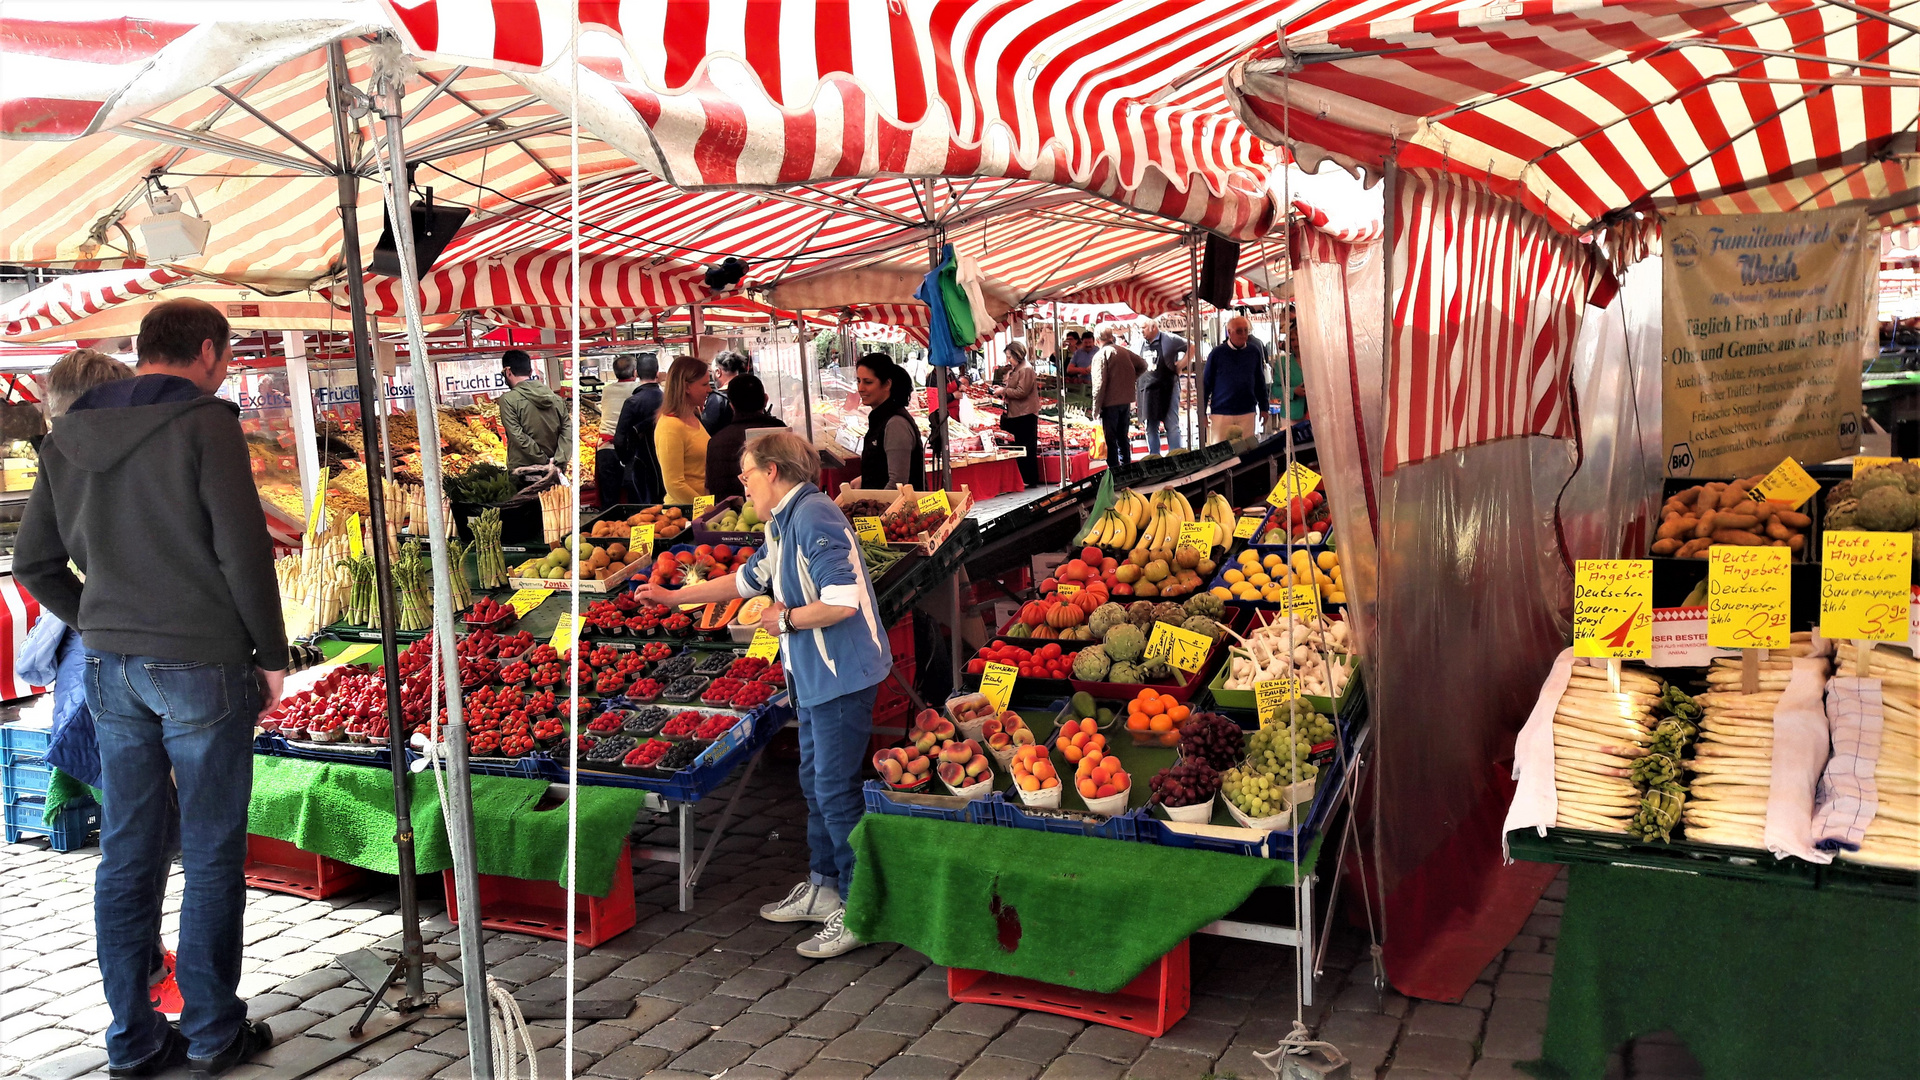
(690, 784)
(1155, 831)
(23, 738)
(881, 800)
(73, 828)
(24, 774)
(1012, 815)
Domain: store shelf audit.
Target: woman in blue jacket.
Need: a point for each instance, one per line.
(835, 653)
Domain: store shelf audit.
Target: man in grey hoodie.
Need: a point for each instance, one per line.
(146, 486)
(538, 425)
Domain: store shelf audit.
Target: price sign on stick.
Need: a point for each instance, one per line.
(525, 600)
(702, 504)
(1749, 595)
(764, 646)
(1788, 484)
(1294, 483)
(562, 638)
(1271, 697)
(1184, 649)
(1301, 600)
(935, 500)
(996, 684)
(356, 546)
(319, 508)
(1864, 582)
(1244, 528)
(641, 541)
(871, 529)
(1613, 608)
(1198, 535)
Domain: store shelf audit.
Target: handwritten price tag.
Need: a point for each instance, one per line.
(1749, 595)
(1197, 535)
(318, 510)
(1864, 586)
(1613, 608)
(356, 546)
(935, 500)
(996, 684)
(1301, 600)
(641, 540)
(1862, 463)
(1270, 696)
(1184, 649)
(764, 646)
(871, 528)
(1244, 528)
(1788, 483)
(1067, 590)
(1296, 482)
(525, 600)
(562, 638)
(702, 504)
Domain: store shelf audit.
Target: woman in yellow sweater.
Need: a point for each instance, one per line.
(678, 438)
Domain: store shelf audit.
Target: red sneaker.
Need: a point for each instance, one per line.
(165, 994)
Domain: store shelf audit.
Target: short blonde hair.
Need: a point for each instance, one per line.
(76, 373)
(792, 457)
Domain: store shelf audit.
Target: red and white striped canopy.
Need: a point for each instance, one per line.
(1115, 97)
(1582, 109)
(521, 285)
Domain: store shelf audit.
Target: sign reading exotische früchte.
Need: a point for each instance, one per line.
(1765, 328)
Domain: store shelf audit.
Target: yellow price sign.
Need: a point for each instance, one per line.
(1197, 535)
(1067, 590)
(1271, 696)
(701, 504)
(525, 600)
(1296, 482)
(641, 539)
(1749, 596)
(871, 529)
(1301, 600)
(1864, 585)
(356, 545)
(1862, 463)
(562, 639)
(1244, 528)
(1613, 608)
(764, 646)
(996, 684)
(319, 508)
(935, 500)
(1788, 484)
(1184, 649)
(355, 653)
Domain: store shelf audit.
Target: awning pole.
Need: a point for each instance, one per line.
(1060, 373)
(1194, 341)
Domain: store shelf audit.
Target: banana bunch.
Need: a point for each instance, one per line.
(1176, 503)
(1112, 529)
(1219, 511)
(1163, 531)
(1133, 506)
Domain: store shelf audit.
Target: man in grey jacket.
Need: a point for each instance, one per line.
(146, 486)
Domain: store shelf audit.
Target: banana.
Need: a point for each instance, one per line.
(1127, 532)
(1219, 511)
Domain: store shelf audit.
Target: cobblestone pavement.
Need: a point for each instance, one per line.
(719, 991)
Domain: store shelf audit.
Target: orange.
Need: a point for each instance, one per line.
(1134, 706)
(1162, 723)
(1089, 789)
(1154, 706)
(1170, 738)
(1179, 713)
(1137, 722)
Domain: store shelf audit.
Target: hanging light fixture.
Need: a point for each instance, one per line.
(169, 233)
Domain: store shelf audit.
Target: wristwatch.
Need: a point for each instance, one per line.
(786, 620)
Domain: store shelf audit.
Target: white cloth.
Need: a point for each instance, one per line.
(1848, 798)
(966, 271)
(1536, 803)
(1799, 754)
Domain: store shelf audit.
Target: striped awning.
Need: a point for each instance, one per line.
(1583, 110)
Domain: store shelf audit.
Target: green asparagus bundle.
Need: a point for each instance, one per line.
(1659, 771)
(362, 608)
(489, 559)
(457, 574)
(413, 586)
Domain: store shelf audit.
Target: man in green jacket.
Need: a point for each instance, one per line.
(537, 424)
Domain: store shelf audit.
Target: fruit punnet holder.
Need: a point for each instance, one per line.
(693, 782)
(624, 511)
(1233, 840)
(1150, 1004)
(927, 803)
(703, 533)
(539, 908)
(587, 585)
(277, 866)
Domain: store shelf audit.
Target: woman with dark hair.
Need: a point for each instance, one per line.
(1020, 391)
(719, 411)
(892, 453)
(723, 451)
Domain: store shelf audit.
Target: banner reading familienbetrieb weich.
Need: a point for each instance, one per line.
(1766, 320)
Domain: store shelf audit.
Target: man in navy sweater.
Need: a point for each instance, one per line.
(1234, 389)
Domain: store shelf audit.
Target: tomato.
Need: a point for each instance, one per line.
(975, 667)
(1049, 651)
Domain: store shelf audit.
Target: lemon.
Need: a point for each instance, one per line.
(1272, 561)
(1222, 592)
(1260, 580)
(1328, 560)
(1233, 577)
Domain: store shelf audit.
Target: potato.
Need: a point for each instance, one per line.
(1693, 548)
(1676, 527)
(1666, 547)
(1738, 537)
(1730, 520)
(1704, 527)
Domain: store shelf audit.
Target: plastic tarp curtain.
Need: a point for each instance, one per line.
(1609, 506)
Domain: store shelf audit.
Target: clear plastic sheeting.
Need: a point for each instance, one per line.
(1608, 509)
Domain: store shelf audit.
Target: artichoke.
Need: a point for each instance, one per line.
(1126, 672)
(1091, 665)
(1126, 642)
(1170, 612)
(1200, 624)
(1840, 514)
(1205, 603)
(1877, 477)
(1140, 613)
(1105, 618)
(1885, 507)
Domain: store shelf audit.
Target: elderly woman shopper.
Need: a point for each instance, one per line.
(835, 653)
(1019, 389)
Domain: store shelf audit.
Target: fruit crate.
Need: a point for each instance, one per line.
(1010, 814)
(23, 760)
(539, 908)
(624, 511)
(881, 799)
(610, 585)
(905, 497)
(72, 828)
(704, 533)
(277, 866)
(1243, 700)
(1150, 1004)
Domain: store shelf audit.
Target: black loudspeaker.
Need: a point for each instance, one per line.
(1217, 268)
(433, 229)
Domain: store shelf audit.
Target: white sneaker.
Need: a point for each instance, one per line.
(806, 903)
(833, 939)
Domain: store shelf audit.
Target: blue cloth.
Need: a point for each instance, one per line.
(1235, 383)
(139, 390)
(833, 747)
(53, 656)
(940, 347)
(810, 547)
(195, 720)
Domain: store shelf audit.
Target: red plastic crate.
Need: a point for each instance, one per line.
(278, 866)
(539, 908)
(1149, 1004)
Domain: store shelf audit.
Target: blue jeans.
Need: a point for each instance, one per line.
(833, 746)
(1155, 424)
(154, 715)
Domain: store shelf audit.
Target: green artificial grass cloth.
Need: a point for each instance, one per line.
(345, 812)
(1758, 980)
(1067, 910)
(62, 789)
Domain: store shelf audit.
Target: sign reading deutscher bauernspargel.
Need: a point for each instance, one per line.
(1765, 326)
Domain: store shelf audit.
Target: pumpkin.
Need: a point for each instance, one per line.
(1033, 613)
(1065, 615)
(1087, 599)
(1043, 631)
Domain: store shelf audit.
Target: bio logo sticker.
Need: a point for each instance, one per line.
(1296, 482)
(1067, 590)
(641, 541)
(1864, 585)
(1787, 484)
(1862, 463)
(996, 684)
(1197, 535)
(356, 546)
(1271, 696)
(871, 529)
(1184, 649)
(1244, 528)
(764, 646)
(1613, 608)
(935, 500)
(525, 600)
(1749, 597)
(562, 638)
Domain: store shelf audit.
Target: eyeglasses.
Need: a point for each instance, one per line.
(750, 471)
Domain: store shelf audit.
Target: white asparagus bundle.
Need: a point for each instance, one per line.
(1630, 679)
(1599, 729)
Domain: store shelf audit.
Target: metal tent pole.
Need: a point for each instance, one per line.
(459, 808)
(1194, 341)
(412, 949)
(1060, 373)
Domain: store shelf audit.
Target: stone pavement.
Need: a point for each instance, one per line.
(718, 991)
